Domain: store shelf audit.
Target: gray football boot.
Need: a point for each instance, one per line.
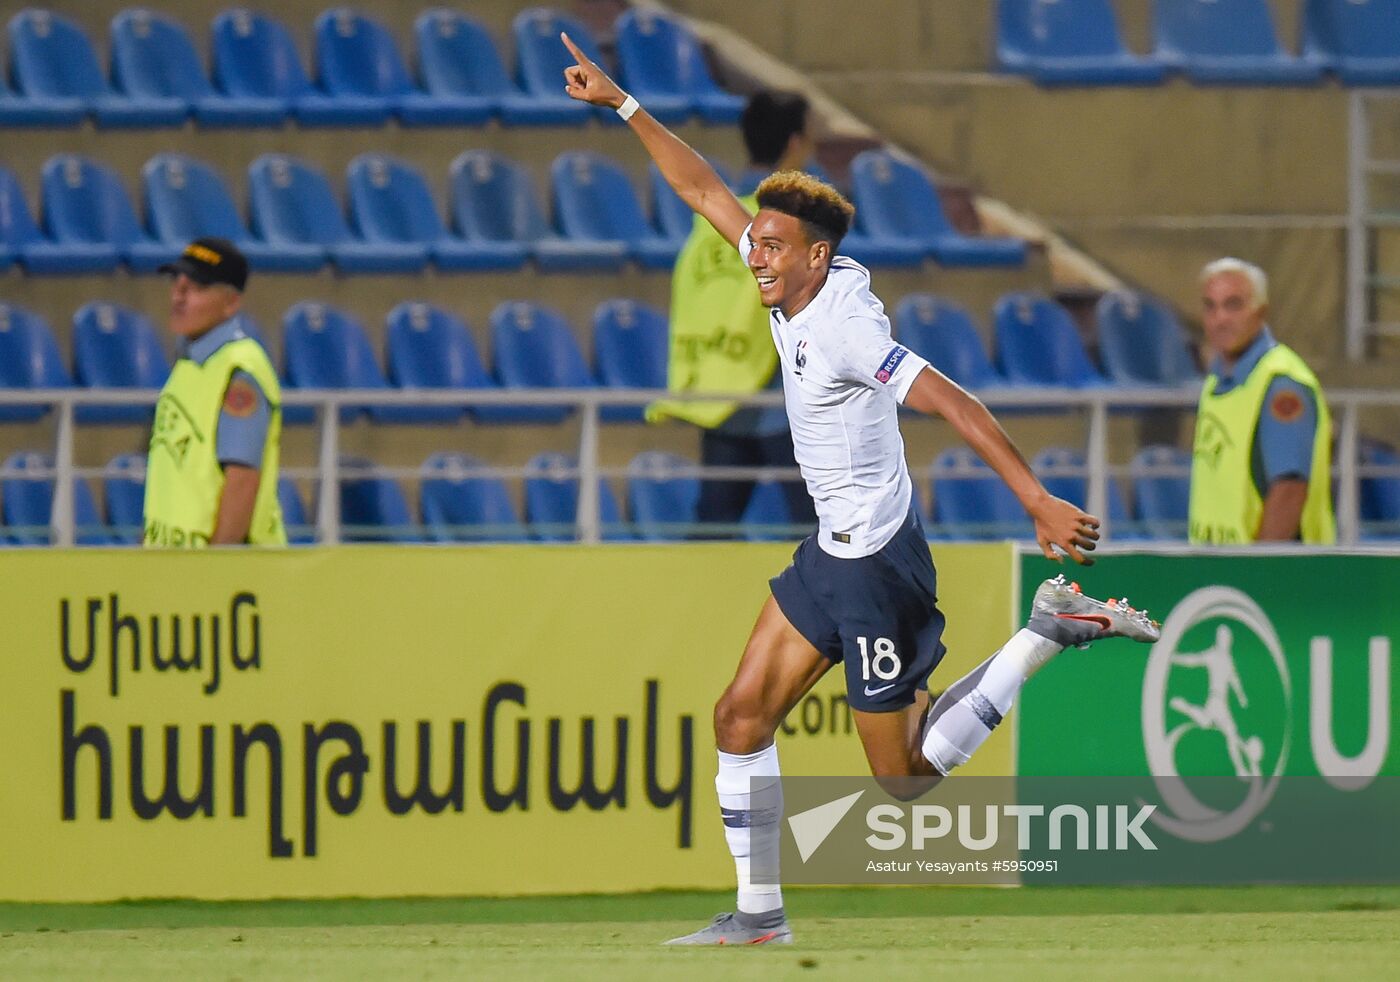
(737, 927)
(1062, 613)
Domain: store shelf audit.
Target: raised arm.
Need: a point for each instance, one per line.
(685, 170)
(1057, 522)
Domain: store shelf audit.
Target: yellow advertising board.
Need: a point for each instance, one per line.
(397, 721)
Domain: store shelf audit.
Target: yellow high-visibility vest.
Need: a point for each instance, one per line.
(720, 336)
(184, 481)
(1226, 506)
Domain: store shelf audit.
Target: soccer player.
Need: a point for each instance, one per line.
(861, 590)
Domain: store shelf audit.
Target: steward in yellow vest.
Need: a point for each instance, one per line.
(211, 470)
(1261, 459)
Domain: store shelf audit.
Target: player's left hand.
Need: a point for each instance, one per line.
(586, 82)
(1059, 523)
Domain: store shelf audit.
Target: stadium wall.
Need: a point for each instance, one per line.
(397, 721)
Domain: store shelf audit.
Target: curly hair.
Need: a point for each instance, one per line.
(824, 213)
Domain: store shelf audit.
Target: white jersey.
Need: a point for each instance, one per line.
(843, 380)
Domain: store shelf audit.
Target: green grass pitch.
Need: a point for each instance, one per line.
(942, 933)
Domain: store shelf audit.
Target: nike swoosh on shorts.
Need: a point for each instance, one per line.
(875, 692)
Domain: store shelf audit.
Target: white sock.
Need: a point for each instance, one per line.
(965, 715)
(751, 804)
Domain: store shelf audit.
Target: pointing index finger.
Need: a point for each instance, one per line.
(579, 56)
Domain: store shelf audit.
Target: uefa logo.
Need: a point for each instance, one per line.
(1216, 700)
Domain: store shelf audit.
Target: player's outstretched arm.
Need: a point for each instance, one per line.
(684, 169)
(1057, 522)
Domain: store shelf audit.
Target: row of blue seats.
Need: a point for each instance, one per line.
(456, 503)
(393, 224)
(460, 503)
(533, 347)
(256, 77)
(1212, 42)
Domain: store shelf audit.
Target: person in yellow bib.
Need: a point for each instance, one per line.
(721, 340)
(1261, 461)
(211, 470)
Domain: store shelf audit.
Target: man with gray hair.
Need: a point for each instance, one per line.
(1261, 460)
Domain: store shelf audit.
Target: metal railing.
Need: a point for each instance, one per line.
(1096, 403)
(1364, 280)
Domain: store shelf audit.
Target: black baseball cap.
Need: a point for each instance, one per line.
(211, 260)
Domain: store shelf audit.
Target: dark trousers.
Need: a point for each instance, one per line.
(723, 502)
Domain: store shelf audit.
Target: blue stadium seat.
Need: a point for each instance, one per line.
(243, 67)
(1142, 343)
(661, 497)
(85, 204)
(390, 202)
(1380, 492)
(39, 253)
(155, 62)
(494, 207)
(534, 348)
(187, 199)
(1227, 42)
(1161, 477)
(766, 518)
(1068, 42)
(654, 59)
(661, 64)
(895, 200)
(540, 60)
(631, 345)
(41, 99)
(300, 530)
(115, 347)
(1038, 344)
(1065, 474)
(29, 359)
(360, 62)
(595, 202)
(325, 348)
(458, 63)
(551, 501)
(292, 202)
(1357, 39)
(26, 504)
(54, 69)
(154, 66)
(373, 508)
(353, 69)
(255, 60)
(459, 504)
(971, 502)
(945, 334)
(124, 496)
(428, 348)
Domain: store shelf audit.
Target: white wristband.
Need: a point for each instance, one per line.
(628, 107)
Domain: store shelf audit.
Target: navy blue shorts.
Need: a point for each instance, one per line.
(878, 614)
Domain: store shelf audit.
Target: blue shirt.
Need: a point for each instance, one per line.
(1283, 440)
(246, 414)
